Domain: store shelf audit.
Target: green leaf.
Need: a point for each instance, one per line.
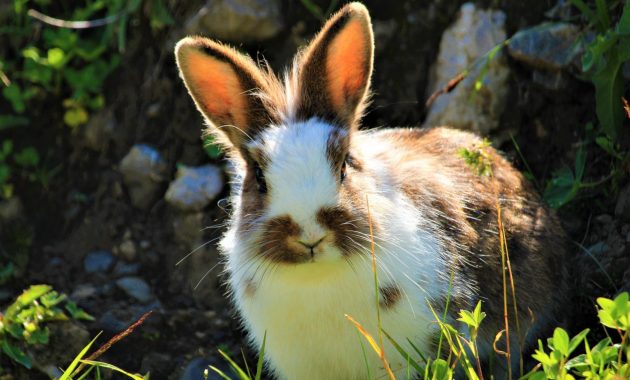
(13, 94)
(623, 26)
(31, 294)
(56, 58)
(561, 341)
(10, 121)
(7, 147)
(39, 336)
(441, 370)
(606, 144)
(16, 354)
(75, 116)
(76, 312)
(52, 299)
(580, 162)
(27, 157)
(608, 84)
(576, 340)
(561, 189)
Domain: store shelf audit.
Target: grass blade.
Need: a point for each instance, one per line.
(113, 368)
(404, 353)
(261, 357)
(70, 370)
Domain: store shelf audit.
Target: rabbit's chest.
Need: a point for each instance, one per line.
(308, 330)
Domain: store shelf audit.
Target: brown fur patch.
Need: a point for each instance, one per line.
(337, 148)
(275, 243)
(249, 288)
(328, 87)
(390, 295)
(463, 208)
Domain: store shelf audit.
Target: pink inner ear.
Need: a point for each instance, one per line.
(217, 89)
(346, 64)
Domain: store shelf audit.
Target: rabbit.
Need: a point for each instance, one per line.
(314, 199)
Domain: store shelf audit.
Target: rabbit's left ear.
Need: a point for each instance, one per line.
(335, 69)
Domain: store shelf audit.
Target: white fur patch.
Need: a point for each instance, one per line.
(301, 308)
(299, 176)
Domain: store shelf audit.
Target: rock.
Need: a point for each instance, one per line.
(548, 46)
(468, 107)
(599, 248)
(622, 208)
(143, 170)
(99, 130)
(237, 20)
(137, 288)
(111, 322)
(195, 187)
(123, 269)
(98, 261)
(66, 340)
(83, 291)
(159, 364)
(127, 250)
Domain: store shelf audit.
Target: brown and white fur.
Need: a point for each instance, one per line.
(298, 244)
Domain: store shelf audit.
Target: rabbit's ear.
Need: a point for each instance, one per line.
(222, 81)
(335, 69)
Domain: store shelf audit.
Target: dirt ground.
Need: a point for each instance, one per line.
(87, 208)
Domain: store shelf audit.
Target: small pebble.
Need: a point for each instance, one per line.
(136, 287)
(98, 262)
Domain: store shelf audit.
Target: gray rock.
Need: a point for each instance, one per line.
(195, 187)
(137, 288)
(548, 46)
(143, 170)
(98, 262)
(622, 208)
(127, 250)
(599, 248)
(66, 339)
(237, 20)
(467, 107)
(159, 364)
(123, 269)
(83, 291)
(112, 323)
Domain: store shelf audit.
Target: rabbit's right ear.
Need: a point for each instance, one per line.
(221, 82)
(335, 69)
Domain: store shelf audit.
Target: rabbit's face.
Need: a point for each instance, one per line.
(298, 201)
(299, 196)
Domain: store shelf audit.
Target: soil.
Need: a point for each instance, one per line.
(86, 207)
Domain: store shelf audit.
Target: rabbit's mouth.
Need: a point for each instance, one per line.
(328, 239)
(292, 249)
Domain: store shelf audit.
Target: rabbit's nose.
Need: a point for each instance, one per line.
(312, 243)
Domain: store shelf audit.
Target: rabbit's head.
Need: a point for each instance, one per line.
(298, 186)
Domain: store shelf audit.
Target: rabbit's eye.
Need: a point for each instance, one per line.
(342, 174)
(260, 178)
